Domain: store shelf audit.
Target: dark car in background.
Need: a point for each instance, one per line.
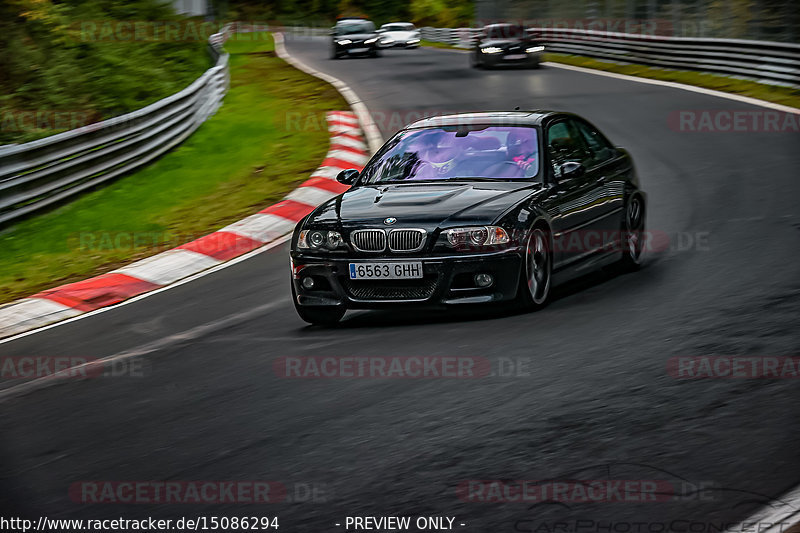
(506, 45)
(354, 37)
(469, 209)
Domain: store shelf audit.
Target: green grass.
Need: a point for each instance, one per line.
(434, 44)
(269, 135)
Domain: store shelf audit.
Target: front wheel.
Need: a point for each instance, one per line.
(633, 234)
(534, 289)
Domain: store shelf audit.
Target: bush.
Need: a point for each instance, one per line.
(48, 65)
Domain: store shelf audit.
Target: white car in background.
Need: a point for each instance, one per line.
(399, 35)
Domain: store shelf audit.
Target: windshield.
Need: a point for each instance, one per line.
(505, 32)
(398, 27)
(484, 152)
(349, 28)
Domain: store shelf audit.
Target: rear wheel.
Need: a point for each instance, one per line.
(633, 234)
(318, 315)
(534, 289)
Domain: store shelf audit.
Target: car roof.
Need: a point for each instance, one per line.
(393, 23)
(352, 19)
(504, 118)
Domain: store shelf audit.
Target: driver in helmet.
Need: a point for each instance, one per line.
(437, 155)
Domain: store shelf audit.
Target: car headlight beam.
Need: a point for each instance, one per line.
(534, 49)
(370, 41)
(491, 50)
(344, 42)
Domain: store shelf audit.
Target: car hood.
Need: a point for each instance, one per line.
(503, 43)
(423, 205)
(400, 35)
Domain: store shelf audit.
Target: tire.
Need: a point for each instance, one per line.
(334, 53)
(375, 53)
(633, 238)
(536, 271)
(318, 315)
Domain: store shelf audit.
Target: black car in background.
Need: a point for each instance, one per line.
(506, 45)
(469, 209)
(354, 37)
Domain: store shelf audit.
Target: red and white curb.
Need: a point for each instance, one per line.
(348, 149)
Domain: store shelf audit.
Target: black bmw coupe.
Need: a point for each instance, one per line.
(467, 209)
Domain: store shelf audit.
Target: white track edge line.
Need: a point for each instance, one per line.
(779, 520)
(374, 139)
(675, 85)
(672, 84)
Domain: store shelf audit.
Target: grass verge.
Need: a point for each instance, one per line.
(268, 136)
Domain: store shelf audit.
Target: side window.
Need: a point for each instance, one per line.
(601, 150)
(565, 144)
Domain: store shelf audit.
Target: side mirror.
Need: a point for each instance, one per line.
(571, 169)
(347, 177)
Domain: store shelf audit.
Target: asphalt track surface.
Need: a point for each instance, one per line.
(596, 403)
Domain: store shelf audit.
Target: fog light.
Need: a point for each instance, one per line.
(483, 280)
(308, 282)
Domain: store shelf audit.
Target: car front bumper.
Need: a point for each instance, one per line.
(400, 44)
(446, 281)
(356, 48)
(497, 60)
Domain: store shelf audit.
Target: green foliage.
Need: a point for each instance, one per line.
(442, 13)
(49, 65)
(273, 130)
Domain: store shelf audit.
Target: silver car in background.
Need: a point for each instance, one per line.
(399, 35)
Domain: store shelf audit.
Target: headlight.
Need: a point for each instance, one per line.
(534, 49)
(477, 236)
(387, 41)
(491, 50)
(317, 239)
(344, 42)
(370, 41)
(412, 41)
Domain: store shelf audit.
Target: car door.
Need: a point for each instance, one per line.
(576, 211)
(610, 169)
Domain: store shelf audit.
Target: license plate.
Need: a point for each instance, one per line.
(405, 270)
(359, 50)
(512, 57)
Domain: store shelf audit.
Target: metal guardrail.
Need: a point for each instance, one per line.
(40, 173)
(767, 62)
